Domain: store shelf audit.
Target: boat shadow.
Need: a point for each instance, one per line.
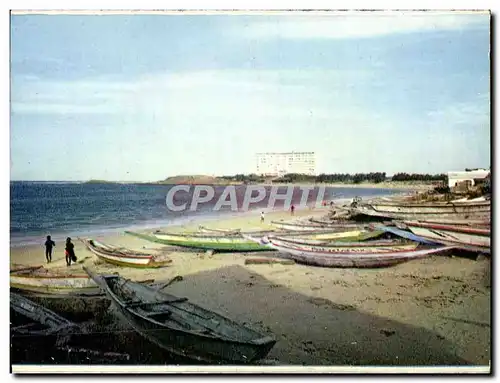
(312, 330)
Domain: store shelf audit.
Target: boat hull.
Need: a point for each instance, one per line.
(189, 346)
(53, 284)
(348, 247)
(125, 260)
(426, 215)
(461, 237)
(433, 208)
(316, 226)
(356, 260)
(183, 328)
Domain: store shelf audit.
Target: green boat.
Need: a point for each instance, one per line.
(204, 242)
(237, 243)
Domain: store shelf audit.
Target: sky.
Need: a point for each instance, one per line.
(145, 97)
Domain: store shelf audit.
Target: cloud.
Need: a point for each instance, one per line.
(361, 24)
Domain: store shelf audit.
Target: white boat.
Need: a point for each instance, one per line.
(124, 257)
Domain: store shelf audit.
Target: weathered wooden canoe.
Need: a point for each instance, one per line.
(424, 215)
(391, 243)
(467, 238)
(42, 321)
(35, 328)
(218, 243)
(15, 268)
(124, 257)
(39, 335)
(295, 226)
(361, 260)
(181, 327)
(477, 207)
(205, 229)
(45, 281)
(485, 222)
(339, 247)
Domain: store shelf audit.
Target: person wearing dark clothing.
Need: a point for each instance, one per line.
(70, 252)
(292, 209)
(49, 244)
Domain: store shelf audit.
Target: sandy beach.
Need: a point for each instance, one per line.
(434, 311)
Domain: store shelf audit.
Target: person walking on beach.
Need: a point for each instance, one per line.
(69, 252)
(49, 244)
(262, 217)
(292, 209)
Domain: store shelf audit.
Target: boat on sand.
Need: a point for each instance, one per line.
(42, 280)
(368, 258)
(181, 327)
(463, 237)
(124, 257)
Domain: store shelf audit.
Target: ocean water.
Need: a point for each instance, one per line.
(63, 209)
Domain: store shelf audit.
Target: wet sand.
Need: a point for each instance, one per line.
(434, 311)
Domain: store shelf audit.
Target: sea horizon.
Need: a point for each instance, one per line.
(79, 209)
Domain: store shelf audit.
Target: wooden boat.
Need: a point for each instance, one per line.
(181, 327)
(334, 222)
(339, 247)
(343, 244)
(467, 238)
(15, 268)
(424, 215)
(459, 222)
(39, 335)
(42, 321)
(371, 259)
(295, 226)
(471, 208)
(124, 257)
(45, 281)
(219, 243)
(204, 229)
(35, 328)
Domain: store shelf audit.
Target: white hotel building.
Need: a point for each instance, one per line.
(278, 164)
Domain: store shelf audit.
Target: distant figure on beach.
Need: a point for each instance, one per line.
(70, 252)
(292, 209)
(262, 217)
(331, 203)
(49, 244)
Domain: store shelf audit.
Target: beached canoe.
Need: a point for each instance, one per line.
(369, 259)
(41, 320)
(218, 243)
(339, 247)
(34, 327)
(205, 229)
(182, 327)
(39, 335)
(45, 281)
(424, 215)
(485, 222)
(124, 257)
(221, 243)
(391, 243)
(295, 226)
(467, 238)
(471, 208)
(15, 268)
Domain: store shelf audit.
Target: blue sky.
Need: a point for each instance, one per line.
(144, 97)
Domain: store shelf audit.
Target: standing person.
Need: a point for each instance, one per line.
(292, 209)
(262, 217)
(49, 244)
(69, 252)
